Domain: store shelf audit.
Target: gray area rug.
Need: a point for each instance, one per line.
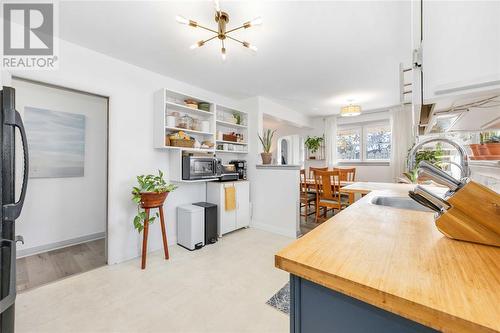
(281, 300)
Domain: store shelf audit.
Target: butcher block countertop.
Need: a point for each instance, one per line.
(397, 260)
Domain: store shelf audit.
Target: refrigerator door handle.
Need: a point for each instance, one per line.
(9, 300)
(12, 211)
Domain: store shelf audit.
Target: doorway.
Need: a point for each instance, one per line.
(64, 219)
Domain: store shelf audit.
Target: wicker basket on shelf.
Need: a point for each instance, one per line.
(178, 142)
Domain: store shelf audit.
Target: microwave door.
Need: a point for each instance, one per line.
(10, 120)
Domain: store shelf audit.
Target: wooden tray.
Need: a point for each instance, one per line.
(229, 137)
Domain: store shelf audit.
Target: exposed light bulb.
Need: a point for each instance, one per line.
(223, 53)
(197, 45)
(181, 19)
(256, 21)
(250, 46)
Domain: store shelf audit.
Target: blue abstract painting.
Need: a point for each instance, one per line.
(56, 142)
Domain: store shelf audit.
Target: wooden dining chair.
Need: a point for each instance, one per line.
(312, 169)
(306, 197)
(328, 192)
(346, 174)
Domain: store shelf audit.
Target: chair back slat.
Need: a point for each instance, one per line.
(312, 170)
(327, 184)
(303, 184)
(347, 174)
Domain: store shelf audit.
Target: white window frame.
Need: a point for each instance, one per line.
(362, 127)
(351, 128)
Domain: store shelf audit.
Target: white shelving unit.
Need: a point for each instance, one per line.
(225, 123)
(220, 119)
(168, 101)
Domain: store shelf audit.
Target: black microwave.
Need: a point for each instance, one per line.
(200, 167)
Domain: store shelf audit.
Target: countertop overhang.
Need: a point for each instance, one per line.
(397, 260)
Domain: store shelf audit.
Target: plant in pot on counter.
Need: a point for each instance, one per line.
(151, 191)
(313, 143)
(266, 141)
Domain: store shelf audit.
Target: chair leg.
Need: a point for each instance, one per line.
(163, 233)
(145, 239)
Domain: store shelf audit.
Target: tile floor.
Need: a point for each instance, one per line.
(220, 288)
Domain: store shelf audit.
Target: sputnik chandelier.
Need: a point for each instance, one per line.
(221, 18)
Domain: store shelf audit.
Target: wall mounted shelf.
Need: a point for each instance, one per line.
(233, 143)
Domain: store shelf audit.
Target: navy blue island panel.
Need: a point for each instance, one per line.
(317, 309)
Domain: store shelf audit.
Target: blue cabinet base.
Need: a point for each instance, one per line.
(316, 309)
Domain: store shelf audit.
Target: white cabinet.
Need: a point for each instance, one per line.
(237, 218)
(461, 47)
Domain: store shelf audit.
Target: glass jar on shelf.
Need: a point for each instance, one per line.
(196, 125)
(185, 122)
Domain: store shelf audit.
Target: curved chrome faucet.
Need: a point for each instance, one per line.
(464, 158)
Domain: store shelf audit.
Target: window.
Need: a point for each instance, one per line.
(378, 142)
(349, 144)
(364, 142)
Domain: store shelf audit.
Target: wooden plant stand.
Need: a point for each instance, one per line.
(148, 205)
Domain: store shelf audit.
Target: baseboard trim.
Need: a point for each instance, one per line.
(273, 229)
(58, 245)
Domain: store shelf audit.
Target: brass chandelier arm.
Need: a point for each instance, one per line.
(208, 40)
(238, 28)
(211, 30)
(236, 40)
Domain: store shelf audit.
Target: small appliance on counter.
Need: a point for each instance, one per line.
(241, 168)
(210, 217)
(195, 167)
(228, 173)
(191, 227)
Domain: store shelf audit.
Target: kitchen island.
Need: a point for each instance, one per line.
(376, 268)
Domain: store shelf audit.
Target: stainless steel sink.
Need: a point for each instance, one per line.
(400, 202)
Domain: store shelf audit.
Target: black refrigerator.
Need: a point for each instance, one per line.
(11, 209)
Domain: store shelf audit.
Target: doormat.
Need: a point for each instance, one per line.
(281, 300)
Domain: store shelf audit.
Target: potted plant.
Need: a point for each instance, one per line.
(483, 148)
(151, 192)
(313, 143)
(433, 156)
(493, 145)
(266, 141)
(237, 117)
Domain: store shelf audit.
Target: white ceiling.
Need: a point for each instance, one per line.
(313, 56)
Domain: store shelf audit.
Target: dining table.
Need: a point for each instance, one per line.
(310, 184)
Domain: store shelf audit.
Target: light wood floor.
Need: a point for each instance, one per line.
(39, 269)
(308, 224)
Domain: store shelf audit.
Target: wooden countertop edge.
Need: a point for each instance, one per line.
(425, 315)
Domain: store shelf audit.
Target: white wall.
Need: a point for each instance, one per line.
(59, 211)
(278, 111)
(131, 151)
(461, 44)
(276, 203)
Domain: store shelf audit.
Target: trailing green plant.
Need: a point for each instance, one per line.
(237, 116)
(267, 139)
(313, 143)
(433, 156)
(148, 183)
